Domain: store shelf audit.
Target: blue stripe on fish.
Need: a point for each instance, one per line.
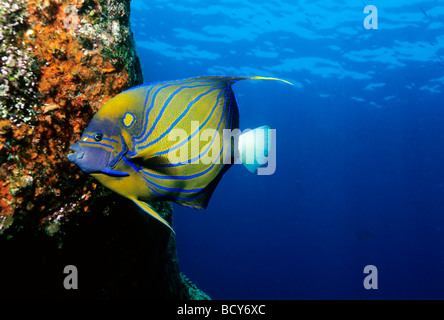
(96, 144)
(171, 197)
(103, 138)
(195, 132)
(192, 135)
(183, 177)
(131, 164)
(181, 117)
(172, 189)
(165, 105)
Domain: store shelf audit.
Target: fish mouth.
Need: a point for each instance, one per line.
(75, 153)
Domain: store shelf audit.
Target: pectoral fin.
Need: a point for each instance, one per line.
(142, 157)
(148, 153)
(149, 210)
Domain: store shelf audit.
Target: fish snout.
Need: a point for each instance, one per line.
(75, 153)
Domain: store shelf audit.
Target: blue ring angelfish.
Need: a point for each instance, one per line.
(130, 155)
(128, 119)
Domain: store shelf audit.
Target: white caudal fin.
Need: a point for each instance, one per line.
(254, 146)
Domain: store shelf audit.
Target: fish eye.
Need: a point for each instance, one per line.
(98, 136)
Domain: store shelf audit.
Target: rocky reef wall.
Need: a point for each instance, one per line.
(60, 62)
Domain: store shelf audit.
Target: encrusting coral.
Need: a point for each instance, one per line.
(61, 61)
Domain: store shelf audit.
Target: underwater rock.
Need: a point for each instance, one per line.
(52, 83)
(61, 61)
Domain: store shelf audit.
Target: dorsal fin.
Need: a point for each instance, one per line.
(232, 78)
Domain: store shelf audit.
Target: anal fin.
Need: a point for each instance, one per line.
(149, 210)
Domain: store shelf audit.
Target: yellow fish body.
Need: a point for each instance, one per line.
(165, 141)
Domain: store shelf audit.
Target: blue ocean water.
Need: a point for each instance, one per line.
(360, 138)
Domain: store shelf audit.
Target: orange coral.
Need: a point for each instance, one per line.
(74, 84)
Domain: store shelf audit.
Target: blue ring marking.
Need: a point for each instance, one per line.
(146, 100)
(132, 121)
